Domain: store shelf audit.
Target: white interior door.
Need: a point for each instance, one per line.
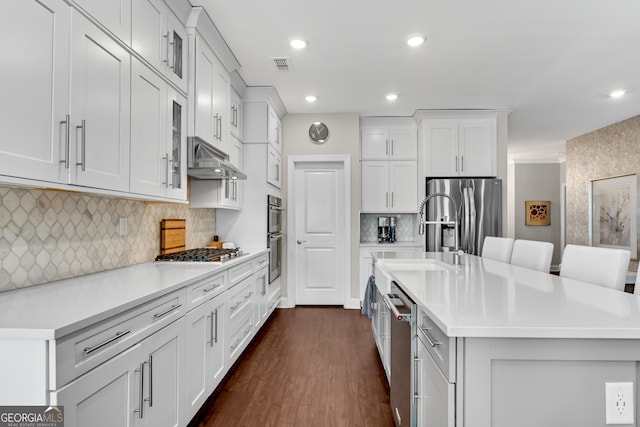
(320, 217)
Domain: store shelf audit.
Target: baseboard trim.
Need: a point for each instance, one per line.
(353, 304)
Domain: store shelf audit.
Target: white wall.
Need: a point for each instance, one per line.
(344, 139)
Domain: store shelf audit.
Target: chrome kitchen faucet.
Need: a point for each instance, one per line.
(422, 222)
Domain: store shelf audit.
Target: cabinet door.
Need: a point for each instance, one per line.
(374, 143)
(375, 186)
(477, 148)
(163, 354)
(221, 106)
(436, 398)
(273, 167)
(235, 119)
(261, 296)
(274, 131)
(176, 144)
(204, 74)
(100, 101)
(404, 143)
(177, 50)
(403, 179)
(204, 354)
(35, 89)
(440, 157)
(149, 161)
(115, 15)
(106, 396)
(149, 31)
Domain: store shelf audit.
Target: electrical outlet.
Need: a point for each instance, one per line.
(123, 228)
(619, 403)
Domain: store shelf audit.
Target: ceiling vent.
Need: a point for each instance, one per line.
(283, 63)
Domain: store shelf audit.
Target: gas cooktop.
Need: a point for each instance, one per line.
(202, 255)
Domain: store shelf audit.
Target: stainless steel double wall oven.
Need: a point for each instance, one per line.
(274, 236)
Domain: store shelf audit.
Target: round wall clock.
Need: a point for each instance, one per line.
(319, 133)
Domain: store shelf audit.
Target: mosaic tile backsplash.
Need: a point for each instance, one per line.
(405, 227)
(50, 235)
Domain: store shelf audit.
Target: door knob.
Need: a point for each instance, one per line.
(301, 241)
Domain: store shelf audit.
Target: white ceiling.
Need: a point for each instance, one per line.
(552, 62)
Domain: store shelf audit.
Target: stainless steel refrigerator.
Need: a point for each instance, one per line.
(479, 201)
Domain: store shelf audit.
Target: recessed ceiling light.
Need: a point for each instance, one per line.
(392, 97)
(617, 93)
(310, 98)
(416, 40)
(298, 44)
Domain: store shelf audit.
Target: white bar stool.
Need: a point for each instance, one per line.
(599, 266)
(497, 248)
(532, 254)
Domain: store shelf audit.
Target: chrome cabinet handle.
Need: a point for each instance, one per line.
(150, 399)
(394, 310)
(166, 43)
(215, 130)
(166, 159)
(215, 338)
(456, 163)
(140, 411)
(167, 311)
(386, 196)
(210, 342)
(433, 343)
(235, 344)
(83, 143)
(209, 289)
(386, 149)
(416, 379)
(392, 148)
(301, 241)
(461, 163)
(67, 136)
(89, 350)
(236, 305)
(392, 202)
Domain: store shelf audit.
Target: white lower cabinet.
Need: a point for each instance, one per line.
(261, 280)
(141, 386)
(434, 396)
(205, 353)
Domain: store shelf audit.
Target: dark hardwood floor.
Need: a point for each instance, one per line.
(310, 366)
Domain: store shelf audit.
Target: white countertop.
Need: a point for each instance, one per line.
(486, 298)
(53, 310)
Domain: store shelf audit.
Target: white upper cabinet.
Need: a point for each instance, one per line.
(160, 38)
(389, 142)
(158, 137)
(235, 118)
(114, 15)
(274, 167)
(100, 102)
(210, 97)
(35, 89)
(389, 186)
(453, 147)
(274, 127)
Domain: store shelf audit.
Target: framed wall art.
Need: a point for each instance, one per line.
(613, 213)
(537, 212)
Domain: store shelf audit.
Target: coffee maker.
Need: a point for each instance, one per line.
(387, 229)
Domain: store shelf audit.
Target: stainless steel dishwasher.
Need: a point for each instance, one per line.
(402, 330)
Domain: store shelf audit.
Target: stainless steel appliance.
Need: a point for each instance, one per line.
(479, 204)
(274, 236)
(204, 161)
(387, 229)
(201, 255)
(403, 329)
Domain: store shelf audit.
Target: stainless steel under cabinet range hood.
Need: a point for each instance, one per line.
(204, 161)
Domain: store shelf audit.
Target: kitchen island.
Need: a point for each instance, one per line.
(509, 346)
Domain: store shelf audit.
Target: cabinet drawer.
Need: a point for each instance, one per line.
(440, 346)
(240, 299)
(239, 273)
(239, 335)
(261, 261)
(205, 289)
(86, 349)
(274, 301)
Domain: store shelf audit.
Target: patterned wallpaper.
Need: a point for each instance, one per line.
(51, 235)
(610, 151)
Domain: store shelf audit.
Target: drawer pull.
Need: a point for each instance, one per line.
(167, 311)
(118, 335)
(140, 411)
(210, 288)
(236, 305)
(247, 296)
(235, 344)
(246, 331)
(426, 336)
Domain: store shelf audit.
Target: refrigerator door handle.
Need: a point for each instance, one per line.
(472, 220)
